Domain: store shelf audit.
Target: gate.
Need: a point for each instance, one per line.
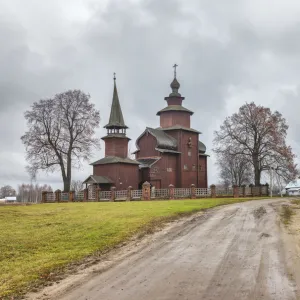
(92, 192)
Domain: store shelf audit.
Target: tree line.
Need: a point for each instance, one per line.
(33, 192)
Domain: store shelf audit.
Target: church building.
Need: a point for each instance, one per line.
(169, 154)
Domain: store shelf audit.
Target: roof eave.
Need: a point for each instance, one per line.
(167, 150)
(115, 126)
(203, 154)
(180, 128)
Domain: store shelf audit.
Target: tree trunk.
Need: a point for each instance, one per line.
(256, 176)
(67, 184)
(256, 170)
(67, 179)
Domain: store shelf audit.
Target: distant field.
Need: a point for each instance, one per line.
(38, 239)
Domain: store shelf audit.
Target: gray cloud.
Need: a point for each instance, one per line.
(228, 53)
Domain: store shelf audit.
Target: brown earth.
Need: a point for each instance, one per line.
(234, 252)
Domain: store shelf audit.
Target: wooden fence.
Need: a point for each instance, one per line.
(93, 193)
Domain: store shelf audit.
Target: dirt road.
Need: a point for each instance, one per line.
(231, 252)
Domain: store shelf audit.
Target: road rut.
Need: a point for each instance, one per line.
(231, 252)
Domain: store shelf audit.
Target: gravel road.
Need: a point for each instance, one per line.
(231, 252)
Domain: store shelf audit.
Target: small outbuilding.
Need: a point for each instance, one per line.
(293, 188)
(293, 192)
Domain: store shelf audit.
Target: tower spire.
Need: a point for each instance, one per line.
(116, 120)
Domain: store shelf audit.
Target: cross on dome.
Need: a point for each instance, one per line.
(175, 66)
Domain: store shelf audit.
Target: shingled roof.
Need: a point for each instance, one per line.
(175, 108)
(201, 147)
(116, 119)
(98, 179)
(176, 127)
(114, 160)
(164, 141)
(147, 162)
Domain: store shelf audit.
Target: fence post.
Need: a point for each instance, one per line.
(236, 193)
(85, 195)
(213, 191)
(98, 193)
(260, 190)
(251, 189)
(193, 191)
(129, 193)
(146, 191)
(171, 191)
(267, 189)
(44, 196)
(113, 194)
(71, 196)
(244, 190)
(57, 195)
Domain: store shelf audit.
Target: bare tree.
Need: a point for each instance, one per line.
(234, 169)
(31, 193)
(260, 136)
(76, 185)
(7, 191)
(60, 133)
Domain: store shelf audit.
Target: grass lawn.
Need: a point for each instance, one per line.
(38, 239)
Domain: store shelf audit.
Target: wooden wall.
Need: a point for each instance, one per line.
(123, 175)
(147, 145)
(116, 146)
(172, 118)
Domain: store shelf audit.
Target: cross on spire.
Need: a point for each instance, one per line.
(114, 76)
(175, 66)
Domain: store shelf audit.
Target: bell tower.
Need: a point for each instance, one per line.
(116, 141)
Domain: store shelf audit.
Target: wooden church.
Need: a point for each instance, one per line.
(169, 154)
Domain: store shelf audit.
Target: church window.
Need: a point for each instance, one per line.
(185, 167)
(189, 153)
(155, 170)
(194, 167)
(169, 169)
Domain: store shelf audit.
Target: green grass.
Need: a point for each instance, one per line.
(39, 239)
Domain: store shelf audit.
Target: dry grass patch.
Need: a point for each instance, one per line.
(295, 201)
(286, 214)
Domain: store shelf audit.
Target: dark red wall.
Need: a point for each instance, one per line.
(189, 176)
(202, 175)
(147, 145)
(126, 174)
(164, 172)
(174, 101)
(172, 118)
(115, 146)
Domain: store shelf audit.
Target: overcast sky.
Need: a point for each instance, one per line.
(229, 52)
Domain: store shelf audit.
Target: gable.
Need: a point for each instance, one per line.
(162, 139)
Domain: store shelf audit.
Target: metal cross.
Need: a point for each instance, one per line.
(114, 76)
(175, 66)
